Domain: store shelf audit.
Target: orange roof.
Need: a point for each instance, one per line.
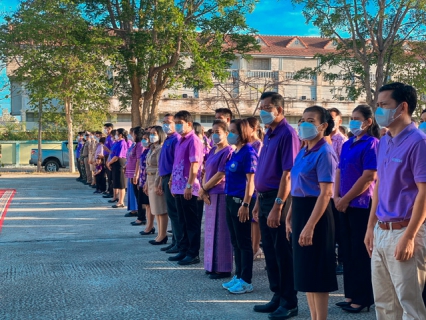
(284, 46)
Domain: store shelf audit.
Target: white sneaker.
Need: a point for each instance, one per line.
(231, 283)
(241, 287)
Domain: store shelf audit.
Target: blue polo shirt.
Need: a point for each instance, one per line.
(242, 162)
(165, 162)
(357, 156)
(312, 167)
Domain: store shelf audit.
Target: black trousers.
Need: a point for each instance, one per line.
(278, 254)
(240, 233)
(357, 275)
(337, 233)
(83, 169)
(100, 181)
(79, 168)
(138, 193)
(109, 176)
(190, 224)
(171, 209)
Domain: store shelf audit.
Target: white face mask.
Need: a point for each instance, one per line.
(116, 137)
(153, 138)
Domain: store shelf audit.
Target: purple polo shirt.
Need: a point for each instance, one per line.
(216, 162)
(78, 149)
(189, 149)
(279, 150)
(120, 149)
(167, 154)
(356, 157)
(337, 141)
(400, 165)
(312, 167)
(108, 143)
(133, 154)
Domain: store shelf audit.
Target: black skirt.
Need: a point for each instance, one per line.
(118, 178)
(314, 266)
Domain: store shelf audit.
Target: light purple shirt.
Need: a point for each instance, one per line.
(216, 162)
(400, 165)
(356, 157)
(165, 163)
(133, 154)
(108, 144)
(188, 150)
(279, 150)
(337, 141)
(120, 149)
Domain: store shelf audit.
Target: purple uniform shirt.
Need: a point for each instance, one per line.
(133, 154)
(337, 141)
(188, 150)
(78, 149)
(312, 167)
(108, 144)
(356, 157)
(400, 165)
(279, 150)
(216, 162)
(142, 167)
(165, 163)
(120, 149)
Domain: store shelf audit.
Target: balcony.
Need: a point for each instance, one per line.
(262, 74)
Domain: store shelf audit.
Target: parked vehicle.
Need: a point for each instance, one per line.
(52, 159)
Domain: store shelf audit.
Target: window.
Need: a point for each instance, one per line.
(204, 118)
(297, 41)
(259, 64)
(31, 117)
(124, 117)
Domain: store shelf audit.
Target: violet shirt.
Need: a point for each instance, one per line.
(356, 157)
(78, 149)
(133, 154)
(108, 144)
(142, 167)
(216, 162)
(279, 150)
(400, 165)
(120, 149)
(337, 141)
(165, 163)
(188, 150)
(242, 162)
(312, 167)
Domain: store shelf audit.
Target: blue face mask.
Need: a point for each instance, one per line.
(308, 131)
(232, 138)
(216, 138)
(145, 143)
(179, 128)
(422, 127)
(267, 117)
(166, 128)
(385, 117)
(356, 127)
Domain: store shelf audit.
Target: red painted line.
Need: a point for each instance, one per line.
(9, 201)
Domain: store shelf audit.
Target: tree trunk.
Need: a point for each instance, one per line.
(145, 109)
(136, 98)
(153, 115)
(40, 114)
(68, 117)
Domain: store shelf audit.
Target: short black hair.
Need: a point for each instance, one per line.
(225, 111)
(184, 115)
(336, 111)
(168, 115)
(109, 125)
(325, 116)
(402, 92)
(276, 99)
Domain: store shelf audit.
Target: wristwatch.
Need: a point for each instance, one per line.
(279, 201)
(245, 204)
(188, 186)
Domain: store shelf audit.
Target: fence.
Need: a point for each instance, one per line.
(19, 152)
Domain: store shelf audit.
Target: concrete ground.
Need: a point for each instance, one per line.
(66, 254)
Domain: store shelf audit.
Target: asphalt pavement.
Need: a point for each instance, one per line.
(66, 254)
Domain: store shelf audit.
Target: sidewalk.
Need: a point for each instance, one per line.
(66, 254)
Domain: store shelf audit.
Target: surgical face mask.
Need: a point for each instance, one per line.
(232, 138)
(422, 127)
(97, 139)
(145, 143)
(116, 137)
(356, 127)
(385, 117)
(267, 117)
(216, 138)
(153, 138)
(105, 131)
(179, 128)
(166, 128)
(308, 131)
(91, 137)
(129, 137)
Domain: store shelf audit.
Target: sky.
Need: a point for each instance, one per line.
(270, 17)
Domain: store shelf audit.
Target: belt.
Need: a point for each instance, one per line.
(269, 194)
(393, 225)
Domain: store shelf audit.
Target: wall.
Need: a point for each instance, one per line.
(19, 152)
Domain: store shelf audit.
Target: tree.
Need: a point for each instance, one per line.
(59, 57)
(167, 42)
(367, 35)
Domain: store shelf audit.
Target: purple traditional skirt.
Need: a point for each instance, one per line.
(218, 252)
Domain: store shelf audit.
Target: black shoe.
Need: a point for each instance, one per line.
(143, 233)
(97, 191)
(343, 304)
(283, 313)
(221, 275)
(93, 185)
(167, 248)
(180, 256)
(208, 272)
(270, 307)
(112, 201)
(157, 243)
(131, 214)
(115, 206)
(107, 196)
(174, 249)
(356, 310)
(189, 260)
(134, 223)
(78, 179)
(339, 269)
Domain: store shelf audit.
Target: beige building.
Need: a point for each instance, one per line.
(271, 69)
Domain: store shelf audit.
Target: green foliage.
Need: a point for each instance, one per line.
(13, 132)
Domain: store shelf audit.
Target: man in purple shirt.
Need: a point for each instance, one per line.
(80, 144)
(165, 167)
(396, 234)
(224, 114)
(185, 187)
(272, 181)
(108, 127)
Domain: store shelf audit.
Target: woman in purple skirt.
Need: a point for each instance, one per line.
(217, 241)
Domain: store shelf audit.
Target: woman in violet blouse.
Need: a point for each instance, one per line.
(217, 241)
(132, 171)
(132, 204)
(312, 222)
(353, 191)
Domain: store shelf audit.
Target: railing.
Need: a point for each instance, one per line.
(262, 74)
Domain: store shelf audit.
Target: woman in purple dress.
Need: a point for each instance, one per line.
(217, 241)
